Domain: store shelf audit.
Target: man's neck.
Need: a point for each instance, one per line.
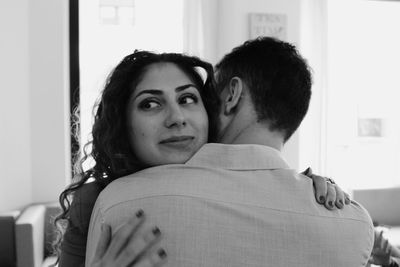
(252, 132)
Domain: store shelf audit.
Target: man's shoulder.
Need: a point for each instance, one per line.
(353, 216)
(298, 196)
(158, 174)
(166, 172)
(358, 226)
(153, 181)
(357, 211)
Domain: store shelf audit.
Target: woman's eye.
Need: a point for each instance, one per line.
(188, 99)
(149, 104)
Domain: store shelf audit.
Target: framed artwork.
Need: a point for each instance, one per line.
(370, 127)
(265, 24)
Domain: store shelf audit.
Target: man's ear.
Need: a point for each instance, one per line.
(234, 94)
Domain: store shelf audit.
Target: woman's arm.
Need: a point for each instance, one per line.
(73, 248)
(73, 245)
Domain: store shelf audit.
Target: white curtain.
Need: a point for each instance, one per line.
(313, 46)
(200, 28)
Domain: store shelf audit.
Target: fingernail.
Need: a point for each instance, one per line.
(322, 199)
(156, 231)
(330, 203)
(341, 202)
(139, 213)
(161, 253)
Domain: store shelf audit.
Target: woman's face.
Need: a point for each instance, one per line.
(167, 121)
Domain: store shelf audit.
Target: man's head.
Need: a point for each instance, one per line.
(274, 76)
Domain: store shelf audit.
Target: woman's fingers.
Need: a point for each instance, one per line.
(138, 247)
(385, 246)
(103, 242)
(378, 238)
(155, 258)
(327, 192)
(347, 199)
(340, 198)
(330, 196)
(307, 172)
(129, 246)
(124, 234)
(319, 183)
(321, 188)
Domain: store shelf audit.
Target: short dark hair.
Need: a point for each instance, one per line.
(278, 78)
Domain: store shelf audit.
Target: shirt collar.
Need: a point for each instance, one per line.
(238, 157)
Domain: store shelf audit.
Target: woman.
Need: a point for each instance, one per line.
(120, 148)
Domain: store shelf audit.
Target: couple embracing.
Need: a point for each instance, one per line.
(173, 199)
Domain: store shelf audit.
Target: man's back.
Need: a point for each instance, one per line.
(237, 205)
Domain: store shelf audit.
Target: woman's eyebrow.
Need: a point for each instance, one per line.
(160, 92)
(149, 91)
(183, 87)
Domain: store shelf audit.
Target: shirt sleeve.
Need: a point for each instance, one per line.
(73, 246)
(94, 233)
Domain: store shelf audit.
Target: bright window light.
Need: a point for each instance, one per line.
(363, 126)
(112, 29)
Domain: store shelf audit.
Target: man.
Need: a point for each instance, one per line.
(238, 203)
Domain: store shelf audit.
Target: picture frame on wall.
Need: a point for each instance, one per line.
(267, 24)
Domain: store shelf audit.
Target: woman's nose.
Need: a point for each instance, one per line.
(175, 117)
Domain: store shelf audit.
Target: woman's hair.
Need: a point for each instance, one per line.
(109, 148)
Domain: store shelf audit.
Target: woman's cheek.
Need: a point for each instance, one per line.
(204, 128)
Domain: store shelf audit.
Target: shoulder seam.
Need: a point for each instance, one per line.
(105, 209)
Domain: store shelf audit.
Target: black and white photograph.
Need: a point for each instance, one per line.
(200, 133)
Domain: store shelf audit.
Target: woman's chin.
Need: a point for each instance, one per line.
(179, 159)
(174, 158)
(170, 154)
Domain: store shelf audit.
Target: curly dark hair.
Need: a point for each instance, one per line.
(112, 157)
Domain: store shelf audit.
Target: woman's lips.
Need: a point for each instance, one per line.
(178, 142)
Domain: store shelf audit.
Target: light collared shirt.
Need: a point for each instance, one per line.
(236, 205)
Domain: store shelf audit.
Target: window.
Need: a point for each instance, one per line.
(363, 125)
(112, 29)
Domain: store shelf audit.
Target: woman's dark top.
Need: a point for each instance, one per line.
(73, 246)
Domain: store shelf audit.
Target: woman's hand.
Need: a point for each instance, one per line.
(327, 192)
(382, 250)
(383, 253)
(129, 246)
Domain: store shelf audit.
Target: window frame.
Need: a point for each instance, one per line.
(74, 80)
